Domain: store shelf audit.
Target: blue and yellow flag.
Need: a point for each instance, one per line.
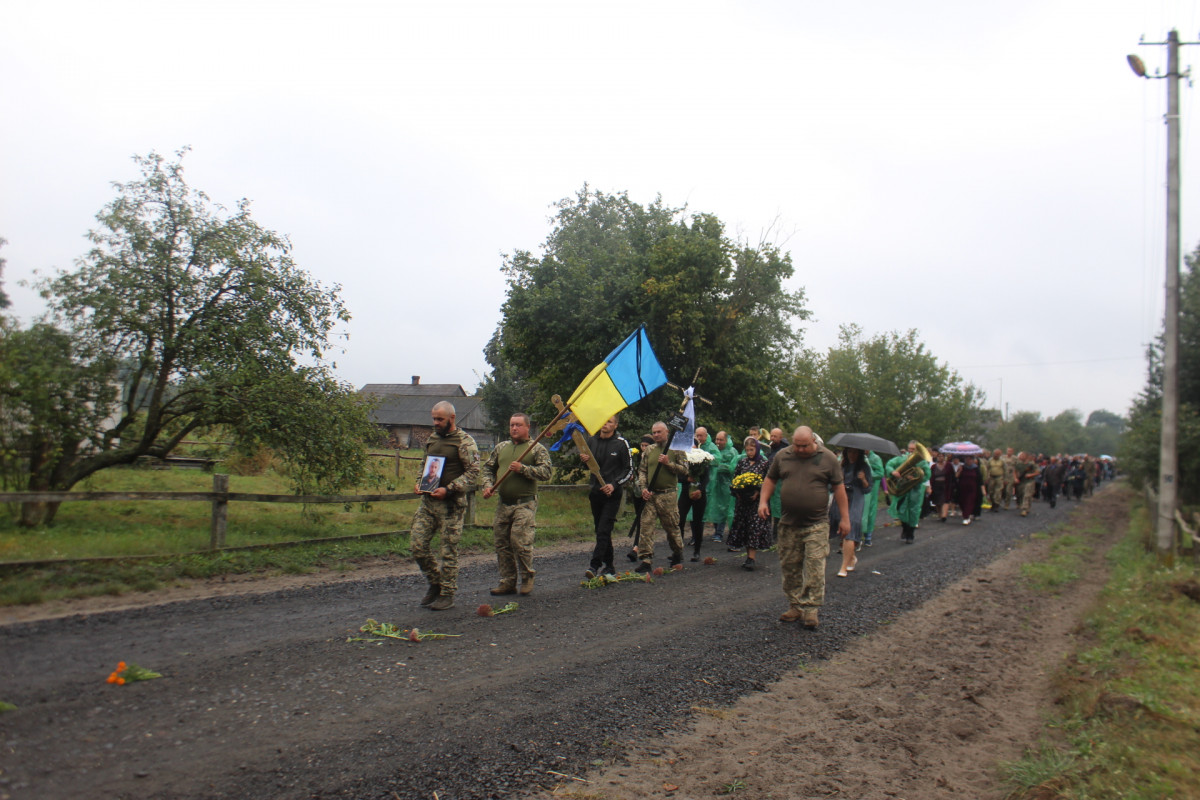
(630, 372)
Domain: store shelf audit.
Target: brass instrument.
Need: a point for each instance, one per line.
(911, 474)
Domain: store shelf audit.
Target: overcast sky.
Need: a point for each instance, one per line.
(990, 174)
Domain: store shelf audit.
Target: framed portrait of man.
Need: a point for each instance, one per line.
(431, 473)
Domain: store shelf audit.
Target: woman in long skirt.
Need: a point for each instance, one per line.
(941, 480)
(968, 485)
(749, 530)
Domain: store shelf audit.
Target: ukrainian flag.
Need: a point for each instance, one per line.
(630, 372)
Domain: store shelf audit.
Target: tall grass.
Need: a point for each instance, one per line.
(1127, 720)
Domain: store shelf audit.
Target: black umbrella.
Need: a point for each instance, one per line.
(865, 441)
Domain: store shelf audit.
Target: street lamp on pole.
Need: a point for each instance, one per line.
(1168, 464)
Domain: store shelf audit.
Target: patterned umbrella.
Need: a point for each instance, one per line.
(961, 449)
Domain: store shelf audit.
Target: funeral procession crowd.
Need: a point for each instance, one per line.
(793, 494)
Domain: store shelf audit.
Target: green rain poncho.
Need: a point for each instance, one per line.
(871, 506)
(907, 508)
(720, 496)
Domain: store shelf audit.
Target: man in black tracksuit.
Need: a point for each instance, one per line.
(611, 452)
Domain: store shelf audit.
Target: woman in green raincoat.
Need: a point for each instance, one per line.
(871, 504)
(720, 496)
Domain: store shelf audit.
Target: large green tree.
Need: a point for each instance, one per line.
(889, 385)
(713, 307)
(1104, 430)
(183, 316)
(1063, 433)
(1139, 448)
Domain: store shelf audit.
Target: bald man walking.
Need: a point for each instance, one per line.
(806, 473)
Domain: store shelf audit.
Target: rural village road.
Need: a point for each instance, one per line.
(263, 696)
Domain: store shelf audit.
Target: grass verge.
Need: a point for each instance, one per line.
(146, 545)
(1127, 721)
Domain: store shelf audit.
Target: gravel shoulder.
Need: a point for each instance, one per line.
(931, 663)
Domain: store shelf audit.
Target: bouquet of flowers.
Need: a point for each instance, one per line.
(128, 673)
(390, 631)
(747, 485)
(697, 463)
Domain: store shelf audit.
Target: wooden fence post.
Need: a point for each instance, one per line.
(220, 507)
(470, 515)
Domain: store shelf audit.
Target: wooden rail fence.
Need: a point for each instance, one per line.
(220, 497)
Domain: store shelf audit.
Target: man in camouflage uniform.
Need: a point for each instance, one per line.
(658, 479)
(1089, 475)
(806, 473)
(994, 468)
(1025, 470)
(513, 526)
(442, 509)
(1010, 480)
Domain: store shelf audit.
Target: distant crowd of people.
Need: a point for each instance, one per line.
(961, 486)
(792, 494)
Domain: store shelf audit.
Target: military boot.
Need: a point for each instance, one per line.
(443, 602)
(527, 585)
(504, 588)
(434, 591)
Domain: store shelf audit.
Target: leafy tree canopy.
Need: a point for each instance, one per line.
(1139, 448)
(1026, 430)
(198, 317)
(713, 307)
(889, 385)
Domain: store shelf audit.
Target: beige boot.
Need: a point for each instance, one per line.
(505, 588)
(443, 602)
(527, 585)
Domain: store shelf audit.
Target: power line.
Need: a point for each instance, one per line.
(1052, 363)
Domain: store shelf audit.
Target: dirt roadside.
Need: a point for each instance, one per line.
(923, 709)
(236, 585)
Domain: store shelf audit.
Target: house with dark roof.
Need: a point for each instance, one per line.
(403, 411)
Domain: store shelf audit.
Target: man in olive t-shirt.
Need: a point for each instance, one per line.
(517, 467)
(805, 473)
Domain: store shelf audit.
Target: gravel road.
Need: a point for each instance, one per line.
(263, 696)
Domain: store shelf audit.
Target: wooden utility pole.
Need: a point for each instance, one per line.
(1168, 466)
(1168, 457)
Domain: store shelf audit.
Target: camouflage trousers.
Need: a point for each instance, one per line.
(996, 488)
(432, 517)
(1025, 494)
(802, 554)
(664, 506)
(512, 535)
